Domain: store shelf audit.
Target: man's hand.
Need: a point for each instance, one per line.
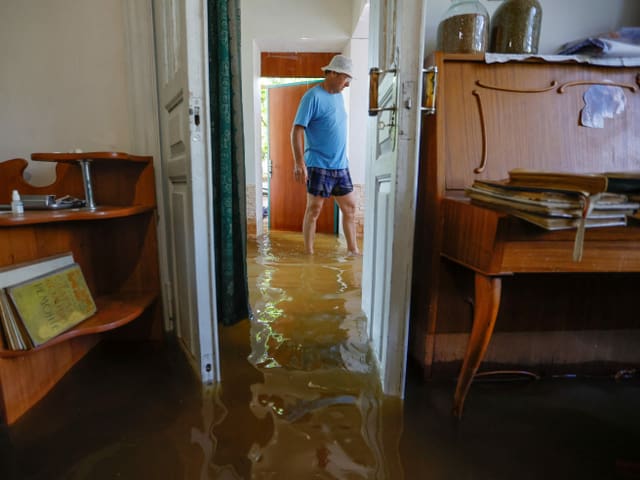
(297, 147)
(300, 174)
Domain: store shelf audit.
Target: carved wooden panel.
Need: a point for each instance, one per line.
(528, 115)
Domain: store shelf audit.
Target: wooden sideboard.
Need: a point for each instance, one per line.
(115, 245)
(470, 263)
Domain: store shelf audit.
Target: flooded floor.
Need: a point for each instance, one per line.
(300, 400)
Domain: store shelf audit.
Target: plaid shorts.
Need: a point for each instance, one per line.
(324, 183)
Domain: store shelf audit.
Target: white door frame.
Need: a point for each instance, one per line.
(145, 135)
(388, 317)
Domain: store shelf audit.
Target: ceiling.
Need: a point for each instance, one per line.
(317, 43)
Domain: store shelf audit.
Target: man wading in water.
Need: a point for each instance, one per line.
(319, 144)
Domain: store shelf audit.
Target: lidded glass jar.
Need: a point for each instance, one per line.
(515, 27)
(464, 28)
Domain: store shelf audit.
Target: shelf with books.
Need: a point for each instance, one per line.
(114, 244)
(113, 311)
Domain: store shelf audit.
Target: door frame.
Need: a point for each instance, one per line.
(333, 204)
(393, 324)
(145, 139)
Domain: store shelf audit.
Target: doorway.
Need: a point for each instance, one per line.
(277, 68)
(285, 199)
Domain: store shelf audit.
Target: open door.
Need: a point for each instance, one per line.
(287, 198)
(395, 56)
(184, 127)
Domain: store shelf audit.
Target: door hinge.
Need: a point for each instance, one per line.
(195, 118)
(207, 368)
(168, 288)
(429, 89)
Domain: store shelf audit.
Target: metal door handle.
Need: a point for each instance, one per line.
(374, 81)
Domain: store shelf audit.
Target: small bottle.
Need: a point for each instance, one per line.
(17, 207)
(464, 28)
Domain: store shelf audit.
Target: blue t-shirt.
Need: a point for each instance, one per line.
(324, 118)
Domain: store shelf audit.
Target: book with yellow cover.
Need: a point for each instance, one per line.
(52, 304)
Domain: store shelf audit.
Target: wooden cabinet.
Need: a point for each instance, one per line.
(115, 245)
(476, 267)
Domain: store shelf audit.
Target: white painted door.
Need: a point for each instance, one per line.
(181, 55)
(396, 49)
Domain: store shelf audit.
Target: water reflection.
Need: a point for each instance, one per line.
(299, 398)
(318, 387)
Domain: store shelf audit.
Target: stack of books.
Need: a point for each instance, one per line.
(559, 200)
(40, 300)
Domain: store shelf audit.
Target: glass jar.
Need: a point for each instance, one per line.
(464, 28)
(515, 27)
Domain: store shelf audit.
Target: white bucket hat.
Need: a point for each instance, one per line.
(339, 64)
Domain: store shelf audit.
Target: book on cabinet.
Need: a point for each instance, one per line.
(560, 201)
(561, 221)
(533, 203)
(51, 304)
(587, 183)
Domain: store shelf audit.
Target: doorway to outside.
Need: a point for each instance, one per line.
(283, 199)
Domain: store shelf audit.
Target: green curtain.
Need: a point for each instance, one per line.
(228, 161)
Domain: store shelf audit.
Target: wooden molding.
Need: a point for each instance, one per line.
(294, 64)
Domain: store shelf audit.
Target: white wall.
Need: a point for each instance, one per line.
(357, 100)
(562, 20)
(63, 84)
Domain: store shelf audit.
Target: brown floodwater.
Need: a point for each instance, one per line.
(319, 389)
(300, 400)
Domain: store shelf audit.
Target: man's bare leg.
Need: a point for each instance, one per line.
(347, 204)
(311, 214)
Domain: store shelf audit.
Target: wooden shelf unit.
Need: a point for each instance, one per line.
(114, 243)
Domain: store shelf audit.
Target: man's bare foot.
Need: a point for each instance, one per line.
(354, 254)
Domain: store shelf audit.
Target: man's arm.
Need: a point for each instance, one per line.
(297, 147)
